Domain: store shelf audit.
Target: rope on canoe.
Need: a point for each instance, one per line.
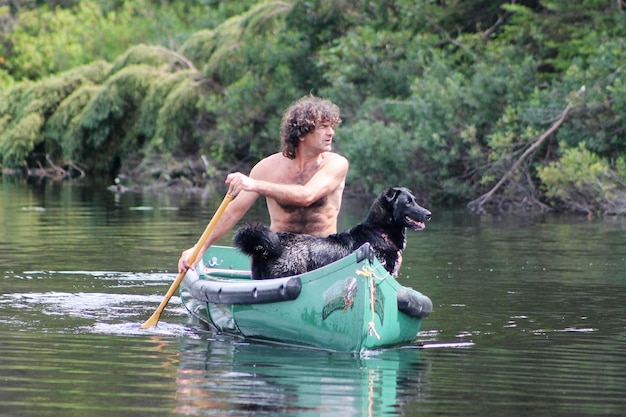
(368, 272)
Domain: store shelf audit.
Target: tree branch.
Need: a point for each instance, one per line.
(450, 39)
(477, 204)
(485, 35)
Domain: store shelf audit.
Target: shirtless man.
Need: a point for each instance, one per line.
(303, 185)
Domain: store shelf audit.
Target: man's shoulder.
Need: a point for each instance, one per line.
(336, 159)
(268, 165)
(334, 155)
(272, 160)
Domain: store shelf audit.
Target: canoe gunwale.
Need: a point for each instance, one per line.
(242, 291)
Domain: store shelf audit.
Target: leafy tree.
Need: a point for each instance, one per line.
(50, 38)
(454, 99)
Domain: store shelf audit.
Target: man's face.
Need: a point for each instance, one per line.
(321, 138)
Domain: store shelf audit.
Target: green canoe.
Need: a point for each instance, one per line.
(351, 305)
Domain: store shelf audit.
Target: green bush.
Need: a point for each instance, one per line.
(380, 156)
(582, 181)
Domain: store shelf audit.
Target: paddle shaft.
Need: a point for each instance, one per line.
(154, 319)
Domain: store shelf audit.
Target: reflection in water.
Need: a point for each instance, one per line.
(85, 375)
(224, 377)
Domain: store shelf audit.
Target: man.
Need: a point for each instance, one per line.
(303, 185)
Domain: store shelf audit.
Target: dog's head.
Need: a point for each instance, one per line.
(404, 209)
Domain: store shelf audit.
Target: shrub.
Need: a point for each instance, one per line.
(582, 181)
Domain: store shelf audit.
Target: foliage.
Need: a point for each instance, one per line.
(220, 50)
(49, 39)
(442, 97)
(378, 59)
(160, 109)
(175, 118)
(582, 181)
(22, 138)
(379, 154)
(27, 107)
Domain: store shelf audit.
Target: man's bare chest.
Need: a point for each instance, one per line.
(299, 177)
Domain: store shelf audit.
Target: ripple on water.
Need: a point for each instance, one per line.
(102, 302)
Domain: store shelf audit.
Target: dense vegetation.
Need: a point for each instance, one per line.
(504, 105)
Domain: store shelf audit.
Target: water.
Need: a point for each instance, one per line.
(528, 318)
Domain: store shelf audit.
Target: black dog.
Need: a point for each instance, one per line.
(284, 254)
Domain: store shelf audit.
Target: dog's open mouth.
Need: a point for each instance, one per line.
(415, 225)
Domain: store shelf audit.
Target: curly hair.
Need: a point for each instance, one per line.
(302, 117)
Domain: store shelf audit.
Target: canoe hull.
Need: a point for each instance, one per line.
(351, 305)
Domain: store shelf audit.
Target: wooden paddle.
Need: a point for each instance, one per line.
(154, 319)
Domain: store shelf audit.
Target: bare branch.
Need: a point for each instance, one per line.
(477, 204)
(485, 35)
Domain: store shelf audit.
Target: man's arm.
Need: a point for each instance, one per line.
(323, 183)
(233, 213)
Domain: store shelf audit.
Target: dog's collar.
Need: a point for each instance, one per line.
(385, 237)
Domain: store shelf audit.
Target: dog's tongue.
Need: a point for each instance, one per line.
(416, 225)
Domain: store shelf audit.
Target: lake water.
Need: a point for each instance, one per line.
(528, 318)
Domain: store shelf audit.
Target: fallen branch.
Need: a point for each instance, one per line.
(75, 166)
(60, 172)
(53, 170)
(477, 204)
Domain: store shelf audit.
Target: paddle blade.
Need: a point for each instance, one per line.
(154, 319)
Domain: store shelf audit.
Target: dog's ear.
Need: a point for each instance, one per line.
(391, 194)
